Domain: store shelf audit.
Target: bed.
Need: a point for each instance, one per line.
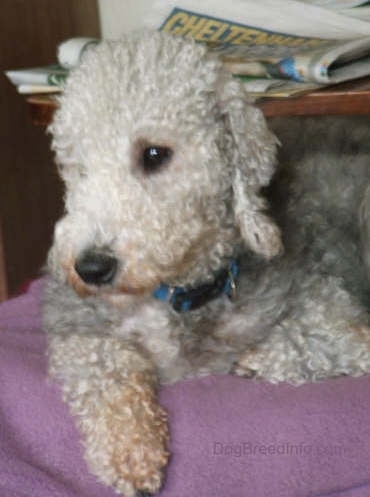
(229, 436)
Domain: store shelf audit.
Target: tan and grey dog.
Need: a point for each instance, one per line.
(167, 265)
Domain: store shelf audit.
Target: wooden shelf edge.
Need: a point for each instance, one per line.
(316, 105)
(42, 108)
(352, 97)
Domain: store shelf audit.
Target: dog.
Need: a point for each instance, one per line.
(185, 250)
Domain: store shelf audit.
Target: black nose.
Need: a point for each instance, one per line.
(96, 267)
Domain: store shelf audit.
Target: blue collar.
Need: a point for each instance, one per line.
(187, 299)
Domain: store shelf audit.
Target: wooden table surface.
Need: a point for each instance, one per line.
(346, 98)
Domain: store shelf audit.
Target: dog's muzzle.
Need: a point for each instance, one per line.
(96, 267)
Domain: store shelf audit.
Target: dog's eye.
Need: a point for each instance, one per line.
(154, 157)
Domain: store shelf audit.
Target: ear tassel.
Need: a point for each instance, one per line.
(257, 229)
(253, 157)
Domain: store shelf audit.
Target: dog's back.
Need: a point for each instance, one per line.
(319, 195)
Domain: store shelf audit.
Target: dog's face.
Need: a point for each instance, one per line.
(157, 187)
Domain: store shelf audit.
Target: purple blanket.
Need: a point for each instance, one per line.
(230, 437)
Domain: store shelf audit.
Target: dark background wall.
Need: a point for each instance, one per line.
(30, 192)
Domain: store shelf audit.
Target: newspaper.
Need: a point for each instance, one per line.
(291, 17)
(260, 52)
(359, 13)
(324, 61)
(352, 8)
(47, 79)
(335, 4)
(290, 46)
(50, 79)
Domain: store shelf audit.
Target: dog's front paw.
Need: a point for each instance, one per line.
(140, 455)
(126, 440)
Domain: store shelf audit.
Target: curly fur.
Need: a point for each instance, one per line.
(299, 315)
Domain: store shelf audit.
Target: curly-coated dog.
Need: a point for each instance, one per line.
(167, 264)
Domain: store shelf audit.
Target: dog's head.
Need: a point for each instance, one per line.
(163, 160)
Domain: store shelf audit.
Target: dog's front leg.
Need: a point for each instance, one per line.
(111, 389)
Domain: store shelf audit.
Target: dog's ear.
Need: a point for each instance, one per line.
(251, 149)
